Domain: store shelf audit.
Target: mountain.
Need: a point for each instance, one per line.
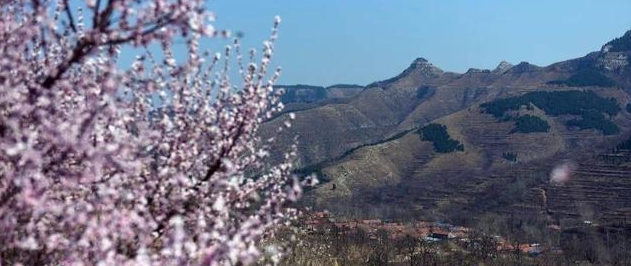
(316, 94)
(514, 123)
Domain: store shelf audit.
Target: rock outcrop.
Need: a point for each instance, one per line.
(502, 67)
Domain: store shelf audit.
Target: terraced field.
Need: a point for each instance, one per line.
(405, 178)
(597, 192)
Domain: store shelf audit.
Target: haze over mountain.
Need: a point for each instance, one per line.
(495, 136)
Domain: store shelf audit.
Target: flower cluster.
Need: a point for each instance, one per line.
(152, 165)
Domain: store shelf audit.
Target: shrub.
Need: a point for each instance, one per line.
(621, 44)
(422, 92)
(625, 145)
(585, 78)
(586, 104)
(438, 135)
(593, 119)
(529, 124)
(554, 103)
(510, 156)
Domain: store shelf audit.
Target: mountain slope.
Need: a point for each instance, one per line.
(392, 173)
(407, 162)
(330, 130)
(329, 127)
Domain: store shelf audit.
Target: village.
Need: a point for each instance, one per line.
(428, 232)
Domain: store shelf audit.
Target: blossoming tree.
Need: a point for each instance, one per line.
(155, 164)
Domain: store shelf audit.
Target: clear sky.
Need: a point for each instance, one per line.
(360, 41)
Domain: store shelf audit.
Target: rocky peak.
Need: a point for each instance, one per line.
(613, 61)
(420, 67)
(621, 44)
(503, 67)
(523, 67)
(423, 66)
(421, 61)
(616, 54)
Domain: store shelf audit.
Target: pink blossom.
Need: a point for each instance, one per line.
(94, 171)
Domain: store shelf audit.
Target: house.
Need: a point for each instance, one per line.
(372, 222)
(532, 250)
(439, 235)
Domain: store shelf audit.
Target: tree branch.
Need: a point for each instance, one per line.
(70, 17)
(84, 46)
(95, 19)
(159, 24)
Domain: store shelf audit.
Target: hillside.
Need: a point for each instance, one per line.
(411, 174)
(515, 123)
(334, 120)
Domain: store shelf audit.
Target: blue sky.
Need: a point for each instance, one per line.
(359, 41)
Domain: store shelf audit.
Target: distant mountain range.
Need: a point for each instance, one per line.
(431, 144)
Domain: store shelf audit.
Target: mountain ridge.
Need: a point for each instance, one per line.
(386, 108)
(369, 155)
